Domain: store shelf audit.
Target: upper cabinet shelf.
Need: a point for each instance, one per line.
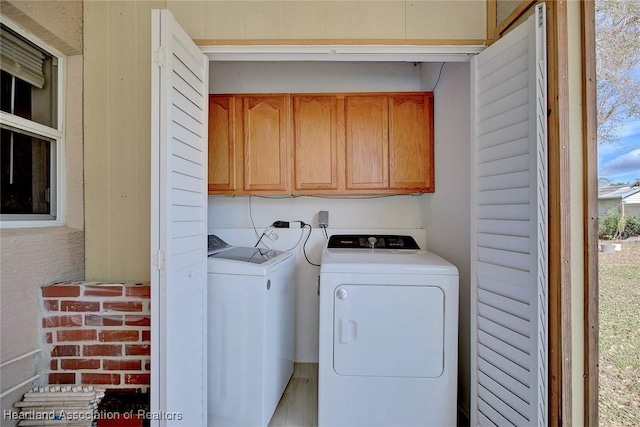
(332, 144)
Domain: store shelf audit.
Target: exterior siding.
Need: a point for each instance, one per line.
(36, 256)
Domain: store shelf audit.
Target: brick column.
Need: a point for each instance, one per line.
(97, 333)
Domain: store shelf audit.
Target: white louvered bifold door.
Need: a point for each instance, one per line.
(179, 225)
(509, 230)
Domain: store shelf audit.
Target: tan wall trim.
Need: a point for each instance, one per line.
(559, 218)
(522, 8)
(590, 144)
(353, 42)
(492, 18)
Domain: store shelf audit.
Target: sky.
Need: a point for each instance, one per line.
(620, 162)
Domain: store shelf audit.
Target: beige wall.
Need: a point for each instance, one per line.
(504, 9)
(117, 41)
(32, 257)
(391, 19)
(117, 92)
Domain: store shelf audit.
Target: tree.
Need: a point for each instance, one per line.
(617, 65)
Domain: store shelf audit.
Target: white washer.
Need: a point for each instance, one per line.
(388, 334)
(251, 303)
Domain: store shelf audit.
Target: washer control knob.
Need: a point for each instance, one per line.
(372, 242)
(342, 293)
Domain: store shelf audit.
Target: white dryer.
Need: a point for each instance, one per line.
(388, 334)
(251, 302)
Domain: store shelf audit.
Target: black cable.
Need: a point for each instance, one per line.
(304, 245)
(253, 223)
(439, 74)
(325, 233)
(259, 240)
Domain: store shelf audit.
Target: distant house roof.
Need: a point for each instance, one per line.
(607, 193)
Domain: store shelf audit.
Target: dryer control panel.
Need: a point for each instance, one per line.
(368, 241)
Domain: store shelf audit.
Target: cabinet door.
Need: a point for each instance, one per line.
(315, 142)
(265, 143)
(222, 143)
(411, 142)
(367, 142)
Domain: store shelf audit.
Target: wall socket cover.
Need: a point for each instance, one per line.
(323, 219)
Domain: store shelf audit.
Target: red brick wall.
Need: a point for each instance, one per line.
(95, 333)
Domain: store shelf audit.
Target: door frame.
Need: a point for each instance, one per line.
(560, 278)
(590, 144)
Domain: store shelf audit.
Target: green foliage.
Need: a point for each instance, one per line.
(608, 225)
(633, 225)
(616, 226)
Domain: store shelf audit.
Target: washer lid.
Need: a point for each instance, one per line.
(245, 254)
(247, 261)
(385, 261)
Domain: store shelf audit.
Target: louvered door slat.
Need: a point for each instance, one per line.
(506, 288)
(491, 408)
(507, 227)
(512, 392)
(508, 366)
(506, 320)
(501, 151)
(503, 303)
(515, 211)
(503, 182)
(497, 122)
(512, 340)
(502, 400)
(489, 273)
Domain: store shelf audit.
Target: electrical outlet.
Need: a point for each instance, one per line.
(323, 219)
(271, 234)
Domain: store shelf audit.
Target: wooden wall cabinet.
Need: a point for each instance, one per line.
(340, 144)
(315, 142)
(222, 143)
(265, 137)
(367, 142)
(389, 142)
(411, 142)
(248, 143)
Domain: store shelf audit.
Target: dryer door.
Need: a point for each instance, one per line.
(388, 331)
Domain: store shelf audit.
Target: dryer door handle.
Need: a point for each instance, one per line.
(348, 331)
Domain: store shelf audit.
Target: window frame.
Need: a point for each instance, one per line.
(55, 135)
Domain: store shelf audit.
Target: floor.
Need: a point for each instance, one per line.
(299, 404)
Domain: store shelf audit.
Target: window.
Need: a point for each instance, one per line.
(31, 134)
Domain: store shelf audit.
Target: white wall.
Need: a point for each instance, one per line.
(447, 211)
(291, 77)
